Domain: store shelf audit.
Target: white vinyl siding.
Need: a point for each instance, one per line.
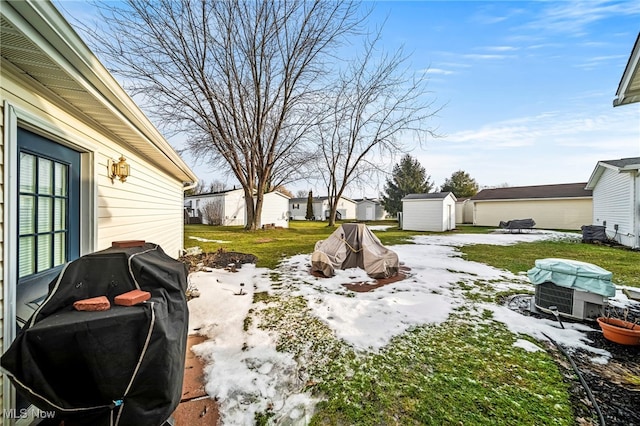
(464, 211)
(613, 198)
(347, 208)
(566, 213)
(274, 210)
(369, 210)
(234, 208)
(428, 214)
(147, 206)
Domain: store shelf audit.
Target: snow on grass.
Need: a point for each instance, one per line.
(380, 227)
(248, 376)
(205, 240)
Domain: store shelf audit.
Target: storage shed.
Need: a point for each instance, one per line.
(616, 199)
(429, 212)
(369, 209)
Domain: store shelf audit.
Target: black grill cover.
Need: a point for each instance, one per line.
(121, 366)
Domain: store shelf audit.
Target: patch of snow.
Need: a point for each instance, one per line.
(527, 345)
(379, 227)
(246, 373)
(204, 240)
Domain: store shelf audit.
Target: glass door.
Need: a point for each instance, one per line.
(48, 217)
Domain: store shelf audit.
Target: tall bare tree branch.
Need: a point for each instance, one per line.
(375, 103)
(238, 77)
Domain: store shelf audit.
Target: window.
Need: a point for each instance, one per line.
(48, 216)
(43, 221)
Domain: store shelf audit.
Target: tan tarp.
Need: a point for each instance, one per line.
(353, 245)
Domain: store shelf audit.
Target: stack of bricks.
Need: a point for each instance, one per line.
(101, 303)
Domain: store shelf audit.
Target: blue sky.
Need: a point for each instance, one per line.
(527, 87)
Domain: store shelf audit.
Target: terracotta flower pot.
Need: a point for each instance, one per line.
(619, 331)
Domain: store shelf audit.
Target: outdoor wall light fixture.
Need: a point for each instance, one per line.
(119, 169)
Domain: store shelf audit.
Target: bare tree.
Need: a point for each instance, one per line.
(301, 193)
(238, 77)
(375, 103)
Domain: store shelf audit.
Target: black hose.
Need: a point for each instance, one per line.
(584, 383)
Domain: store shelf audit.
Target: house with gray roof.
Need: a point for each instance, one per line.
(616, 199)
(559, 206)
(346, 209)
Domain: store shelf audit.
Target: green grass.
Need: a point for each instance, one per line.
(272, 245)
(464, 371)
(624, 264)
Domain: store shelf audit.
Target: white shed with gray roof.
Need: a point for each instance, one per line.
(429, 212)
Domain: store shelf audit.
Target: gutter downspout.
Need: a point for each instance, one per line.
(189, 185)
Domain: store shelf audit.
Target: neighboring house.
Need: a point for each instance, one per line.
(65, 120)
(616, 199)
(435, 211)
(562, 206)
(629, 88)
(225, 208)
(369, 209)
(228, 208)
(464, 210)
(616, 183)
(275, 210)
(346, 209)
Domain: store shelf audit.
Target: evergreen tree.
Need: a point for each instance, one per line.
(461, 184)
(408, 177)
(309, 214)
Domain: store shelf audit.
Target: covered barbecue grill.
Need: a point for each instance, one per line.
(124, 365)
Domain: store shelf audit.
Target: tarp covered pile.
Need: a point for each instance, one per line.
(124, 365)
(573, 274)
(353, 245)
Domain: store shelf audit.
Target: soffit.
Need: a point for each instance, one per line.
(77, 78)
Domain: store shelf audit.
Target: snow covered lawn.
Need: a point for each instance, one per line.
(273, 333)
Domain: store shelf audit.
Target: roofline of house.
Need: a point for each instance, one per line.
(631, 70)
(532, 199)
(599, 169)
(74, 56)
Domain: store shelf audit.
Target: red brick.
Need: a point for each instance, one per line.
(100, 303)
(127, 243)
(132, 297)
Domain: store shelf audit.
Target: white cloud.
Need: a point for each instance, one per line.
(438, 71)
(574, 17)
(501, 48)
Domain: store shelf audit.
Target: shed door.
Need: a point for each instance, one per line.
(369, 213)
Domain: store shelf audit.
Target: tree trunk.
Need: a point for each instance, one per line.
(250, 224)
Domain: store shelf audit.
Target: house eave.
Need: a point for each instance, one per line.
(78, 78)
(629, 87)
(532, 199)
